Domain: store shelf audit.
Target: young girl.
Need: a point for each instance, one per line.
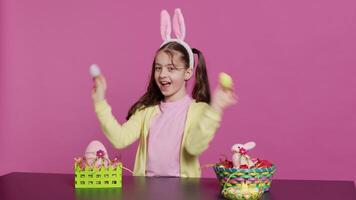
(173, 128)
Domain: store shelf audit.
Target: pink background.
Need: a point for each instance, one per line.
(293, 63)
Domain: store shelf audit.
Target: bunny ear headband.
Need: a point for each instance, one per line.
(179, 30)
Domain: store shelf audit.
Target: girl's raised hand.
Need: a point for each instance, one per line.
(99, 89)
(223, 98)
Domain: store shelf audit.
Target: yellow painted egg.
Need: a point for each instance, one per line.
(225, 80)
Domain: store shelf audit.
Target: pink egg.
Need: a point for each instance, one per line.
(93, 156)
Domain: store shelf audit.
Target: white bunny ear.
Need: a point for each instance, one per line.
(249, 145)
(178, 24)
(166, 27)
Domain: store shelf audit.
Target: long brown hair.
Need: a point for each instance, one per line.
(153, 95)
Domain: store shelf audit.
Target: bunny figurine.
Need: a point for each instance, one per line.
(240, 158)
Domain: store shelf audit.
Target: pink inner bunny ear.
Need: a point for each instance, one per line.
(178, 24)
(166, 27)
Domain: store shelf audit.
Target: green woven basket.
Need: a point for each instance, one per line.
(103, 177)
(261, 177)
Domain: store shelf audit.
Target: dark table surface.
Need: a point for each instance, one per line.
(60, 186)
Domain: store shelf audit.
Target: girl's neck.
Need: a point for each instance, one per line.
(176, 97)
(169, 100)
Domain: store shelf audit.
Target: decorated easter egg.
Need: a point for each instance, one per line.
(96, 154)
(225, 80)
(94, 70)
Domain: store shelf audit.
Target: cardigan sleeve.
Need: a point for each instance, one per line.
(205, 122)
(120, 135)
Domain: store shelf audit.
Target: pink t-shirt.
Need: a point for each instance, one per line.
(165, 138)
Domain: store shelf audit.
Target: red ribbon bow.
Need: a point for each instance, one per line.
(243, 151)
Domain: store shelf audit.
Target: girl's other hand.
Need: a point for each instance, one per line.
(223, 98)
(99, 89)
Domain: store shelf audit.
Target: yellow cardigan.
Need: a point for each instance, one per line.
(200, 126)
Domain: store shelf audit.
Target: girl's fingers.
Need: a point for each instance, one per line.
(226, 96)
(102, 80)
(97, 81)
(234, 95)
(231, 98)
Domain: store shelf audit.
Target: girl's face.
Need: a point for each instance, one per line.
(171, 77)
